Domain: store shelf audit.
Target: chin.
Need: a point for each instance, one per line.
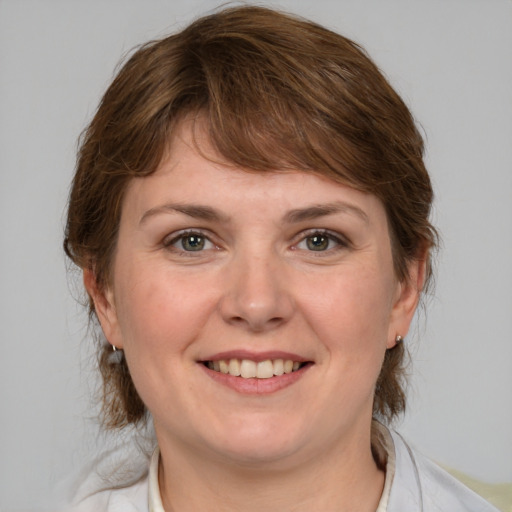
(262, 455)
(259, 444)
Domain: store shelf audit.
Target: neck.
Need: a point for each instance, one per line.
(343, 478)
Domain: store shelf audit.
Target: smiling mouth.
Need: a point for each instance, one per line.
(247, 369)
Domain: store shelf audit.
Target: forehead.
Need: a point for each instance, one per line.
(192, 173)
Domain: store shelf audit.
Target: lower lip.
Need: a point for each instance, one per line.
(257, 386)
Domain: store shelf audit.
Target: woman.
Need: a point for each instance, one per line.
(251, 213)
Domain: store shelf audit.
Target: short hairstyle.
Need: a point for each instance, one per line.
(276, 92)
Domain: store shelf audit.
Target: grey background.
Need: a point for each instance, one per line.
(452, 62)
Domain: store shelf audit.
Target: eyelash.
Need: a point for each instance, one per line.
(170, 241)
(339, 241)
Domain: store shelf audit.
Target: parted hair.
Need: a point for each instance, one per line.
(277, 92)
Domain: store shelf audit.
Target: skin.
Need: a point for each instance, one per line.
(258, 284)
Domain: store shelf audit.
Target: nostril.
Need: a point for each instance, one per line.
(256, 324)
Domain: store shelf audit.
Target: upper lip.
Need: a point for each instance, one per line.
(256, 356)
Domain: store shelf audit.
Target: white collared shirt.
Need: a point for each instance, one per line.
(412, 484)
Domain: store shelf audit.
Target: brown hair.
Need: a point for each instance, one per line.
(277, 92)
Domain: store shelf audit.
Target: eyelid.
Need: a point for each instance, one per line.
(341, 240)
(170, 239)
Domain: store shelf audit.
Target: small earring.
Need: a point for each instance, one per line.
(398, 339)
(114, 348)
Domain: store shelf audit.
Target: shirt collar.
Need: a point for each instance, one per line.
(386, 441)
(154, 498)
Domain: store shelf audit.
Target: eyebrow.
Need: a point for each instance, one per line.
(322, 210)
(292, 217)
(191, 210)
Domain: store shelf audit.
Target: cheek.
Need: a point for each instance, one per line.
(159, 319)
(351, 320)
(357, 305)
(158, 310)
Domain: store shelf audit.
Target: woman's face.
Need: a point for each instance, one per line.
(286, 277)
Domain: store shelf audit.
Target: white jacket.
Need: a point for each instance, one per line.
(419, 485)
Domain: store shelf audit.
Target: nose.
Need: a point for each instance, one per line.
(257, 293)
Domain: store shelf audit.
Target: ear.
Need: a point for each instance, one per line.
(104, 307)
(406, 299)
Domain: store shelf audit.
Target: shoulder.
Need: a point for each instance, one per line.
(133, 498)
(114, 481)
(419, 484)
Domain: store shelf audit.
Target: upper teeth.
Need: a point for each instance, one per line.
(250, 369)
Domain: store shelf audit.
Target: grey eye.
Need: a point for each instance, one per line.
(188, 242)
(318, 242)
(192, 242)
